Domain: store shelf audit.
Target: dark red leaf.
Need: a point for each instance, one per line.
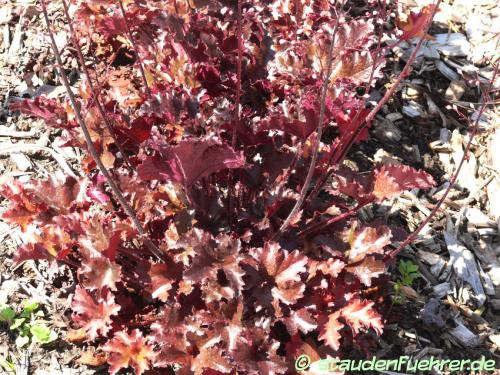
(189, 161)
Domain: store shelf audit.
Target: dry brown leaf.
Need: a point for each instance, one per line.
(91, 358)
(75, 335)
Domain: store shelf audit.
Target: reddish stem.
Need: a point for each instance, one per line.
(109, 179)
(136, 50)
(323, 224)
(337, 157)
(475, 127)
(289, 171)
(319, 134)
(92, 89)
(231, 183)
(70, 262)
(238, 78)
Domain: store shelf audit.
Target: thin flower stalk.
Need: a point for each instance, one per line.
(319, 134)
(341, 151)
(453, 179)
(95, 93)
(109, 179)
(136, 50)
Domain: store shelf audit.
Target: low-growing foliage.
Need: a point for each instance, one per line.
(27, 325)
(224, 126)
(408, 273)
(7, 364)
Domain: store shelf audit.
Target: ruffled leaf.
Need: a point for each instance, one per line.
(129, 350)
(94, 316)
(189, 161)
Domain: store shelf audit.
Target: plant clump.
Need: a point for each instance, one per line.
(224, 127)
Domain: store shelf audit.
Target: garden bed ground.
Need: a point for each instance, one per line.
(451, 311)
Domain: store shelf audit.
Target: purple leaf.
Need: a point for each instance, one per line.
(189, 161)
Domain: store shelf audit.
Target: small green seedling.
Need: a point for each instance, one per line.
(27, 324)
(7, 365)
(408, 274)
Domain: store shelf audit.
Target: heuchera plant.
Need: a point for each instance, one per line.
(222, 128)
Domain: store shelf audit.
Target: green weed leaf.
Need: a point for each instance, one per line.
(7, 314)
(17, 323)
(43, 334)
